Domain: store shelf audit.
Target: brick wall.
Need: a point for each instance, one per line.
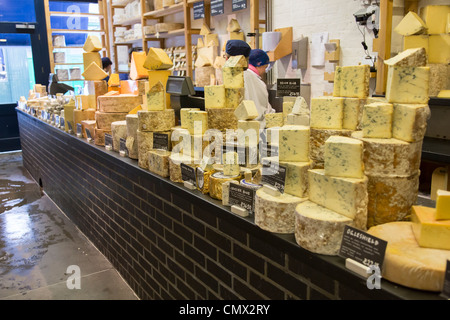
(171, 243)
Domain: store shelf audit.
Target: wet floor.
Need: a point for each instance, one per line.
(43, 256)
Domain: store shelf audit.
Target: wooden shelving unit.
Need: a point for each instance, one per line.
(102, 32)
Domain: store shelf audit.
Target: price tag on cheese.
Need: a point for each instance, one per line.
(274, 175)
(160, 141)
(446, 290)
(123, 150)
(70, 127)
(108, 141)
(237, 5)
(362, 247)
(187, 173)
(62, 124)
(242, 196)
(57, 124)
(88, 135)
(79, 130)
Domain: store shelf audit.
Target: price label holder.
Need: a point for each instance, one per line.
(62, 124)
(361, 251)
(108, 142)
(123, 150)
(288, 87)
(70, 127)
(199, 10)
(57, 124)
(238, 5)
(88, 135)
(446, 289)
(160, 141)
(274, 175)
(79, 130)
(49, 118)
(217, 7)
(188, 176)
(242, 200)
(42, 115)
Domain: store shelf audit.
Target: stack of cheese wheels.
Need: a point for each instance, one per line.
(337, 197)
(155, 122)
(112, 107)
(275, 212)
(392, 133)
(340, 114)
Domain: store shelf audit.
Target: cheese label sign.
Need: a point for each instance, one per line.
(62, 123)
(274, 175)
(242, 196)
(288, 87)
(200, 174)
(238, 5)
(362, 247)
(108, 141)
(187, 173)
(199, 10)
(446, 289)
(160, 141)
(217, 7)
(88, 134)
(70, 127)
(123, 151)
(79, 130)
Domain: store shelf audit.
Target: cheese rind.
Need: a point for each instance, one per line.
(317, 141)
(104, 119)
(318, 229)
(119, 131)
(346, 196)
(131, 140)
(327, 112)
(343, 157)
(410, 121)
(276, 213)
(413, 57)
(158, 162)
(222, 119)
(156, 120)
(294, 143)
(216, 181)
(99, 136)
(407, 84)
(122, 103)
(234, 97)
(377, 120)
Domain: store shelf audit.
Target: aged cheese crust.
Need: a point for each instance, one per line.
(119, 103)
(406, 263)
(145, 144)
(390, 156)
(175, 161)
(156, 120)
(119, 131)
(391, 197)
(132, 127)
(274, 119)
(276, 214)
(317, 140)
(318, 229)
(104, 119)
(222, 119)
(410, 121)
(99, 136)
(215, 184)
(158, 162)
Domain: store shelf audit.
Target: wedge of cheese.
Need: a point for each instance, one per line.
(409, 121)
(318, 138)
(90, 57)
(414, 57)
(343, 157)
(327, 112)
(411, 24)
(353, 81)
(137, 70)
(157, 59)
(94, 72)
(92, 44)
(156, 98)
(377, 120)
(246, 110)
(435, 17)
(407, 84)
(215, 97)
(114, 80)
(294, 143)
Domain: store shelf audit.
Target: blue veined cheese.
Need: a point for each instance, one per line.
(274, 119)
(230, 162)
(156, 120)
(246, 110)
(390, 156)
(197, 122)
(410, 121)
(300, 106)
(234, 97)
(377, 120)
(215, 97)
(183, 113)
(343, 157)
(353, 108)
(158, 162)
(296, 182)
(297, 119)
(288, 105)
(346, 196)
(233, 78)
(276, 213)
(414, 57)
(248, 133)
(317, 141)
(327, 112)
(318, 229)
(238, 61)
(337, 82)
(294, 143)
(407, 84)
(156, 98)
(354, 81)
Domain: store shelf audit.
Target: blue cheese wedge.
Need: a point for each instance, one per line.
(246, 110)
(327, 112)
(354, 81)
(294, 143)
(407, 84)
(234, 97)
(377, 120)
(215, 97)
(410, 121)
(343, 157)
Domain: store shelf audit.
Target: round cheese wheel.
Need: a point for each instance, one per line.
(215, 184)
(408, 264)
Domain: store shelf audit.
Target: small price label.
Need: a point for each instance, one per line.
(108, 141)
(79, 130)
(274, 175)
(446, 289)
(288, 87)
(242, 196)
(187, 173)
(199, 10)
(88, 135)
(70, 126)
(62, 124)
(239, 5)
(123, 150)
(217, 7)
(160, 141)
(362, 247)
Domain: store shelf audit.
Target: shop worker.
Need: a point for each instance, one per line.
(106, 65)
(237, 48)
(255, 87)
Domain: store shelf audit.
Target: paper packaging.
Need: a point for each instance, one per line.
(270, 40)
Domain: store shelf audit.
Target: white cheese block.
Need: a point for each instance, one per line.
(346, 196)
(158, 162)
(318, 229)
(119, 131)
(234, 97)
(391, 197)
(215, 97)
(390, 156)
(327, 112)
(407, 84)
(118, 103)
(132, 127)
(377, 120)
(413, 57)
(408, 264)
(246, 110)
(410, 121)
(276, 214)
(222, 119)
(156, 120)
(294, 143)
(343, 157)
(274, 119)
(317, 141)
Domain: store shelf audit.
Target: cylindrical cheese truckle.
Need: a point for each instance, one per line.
(104, 119)
(158, 162)
(276, 213)
(132, 127)
(318, 229)
(156, 120)
(317, 140)
(99, 136)
(118, 103)
(215, 184)
(408, 264)
(391, 197)
(119, 131)
(390, 156)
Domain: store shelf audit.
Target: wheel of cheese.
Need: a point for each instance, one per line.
(156, 120)
(391, 197)
(118, 103)
(318, 229)
(222, 119)
(175, 161)
(390, 156)
(215, 184)
(317, 140)
(276, 213)
(99, 136)
(158, 162)
(408, 264)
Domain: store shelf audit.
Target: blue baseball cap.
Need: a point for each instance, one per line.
(258, 58)
(237, 48)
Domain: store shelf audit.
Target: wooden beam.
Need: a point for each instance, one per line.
(188, 38)
(254, 21)
(411, 5)
(384, 52)
(49, 36)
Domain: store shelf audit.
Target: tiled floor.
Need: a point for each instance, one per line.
(43, 256)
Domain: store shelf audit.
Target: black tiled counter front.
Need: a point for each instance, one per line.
(169, 242)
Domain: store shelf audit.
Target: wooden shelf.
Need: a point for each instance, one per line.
(128, 22)
(68, 64)
(135, 41)
(192, 2)
(179, 7)
(172, 33)
(75, 14)
(76, 31)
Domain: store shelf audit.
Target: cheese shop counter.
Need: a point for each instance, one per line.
(170, 242)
